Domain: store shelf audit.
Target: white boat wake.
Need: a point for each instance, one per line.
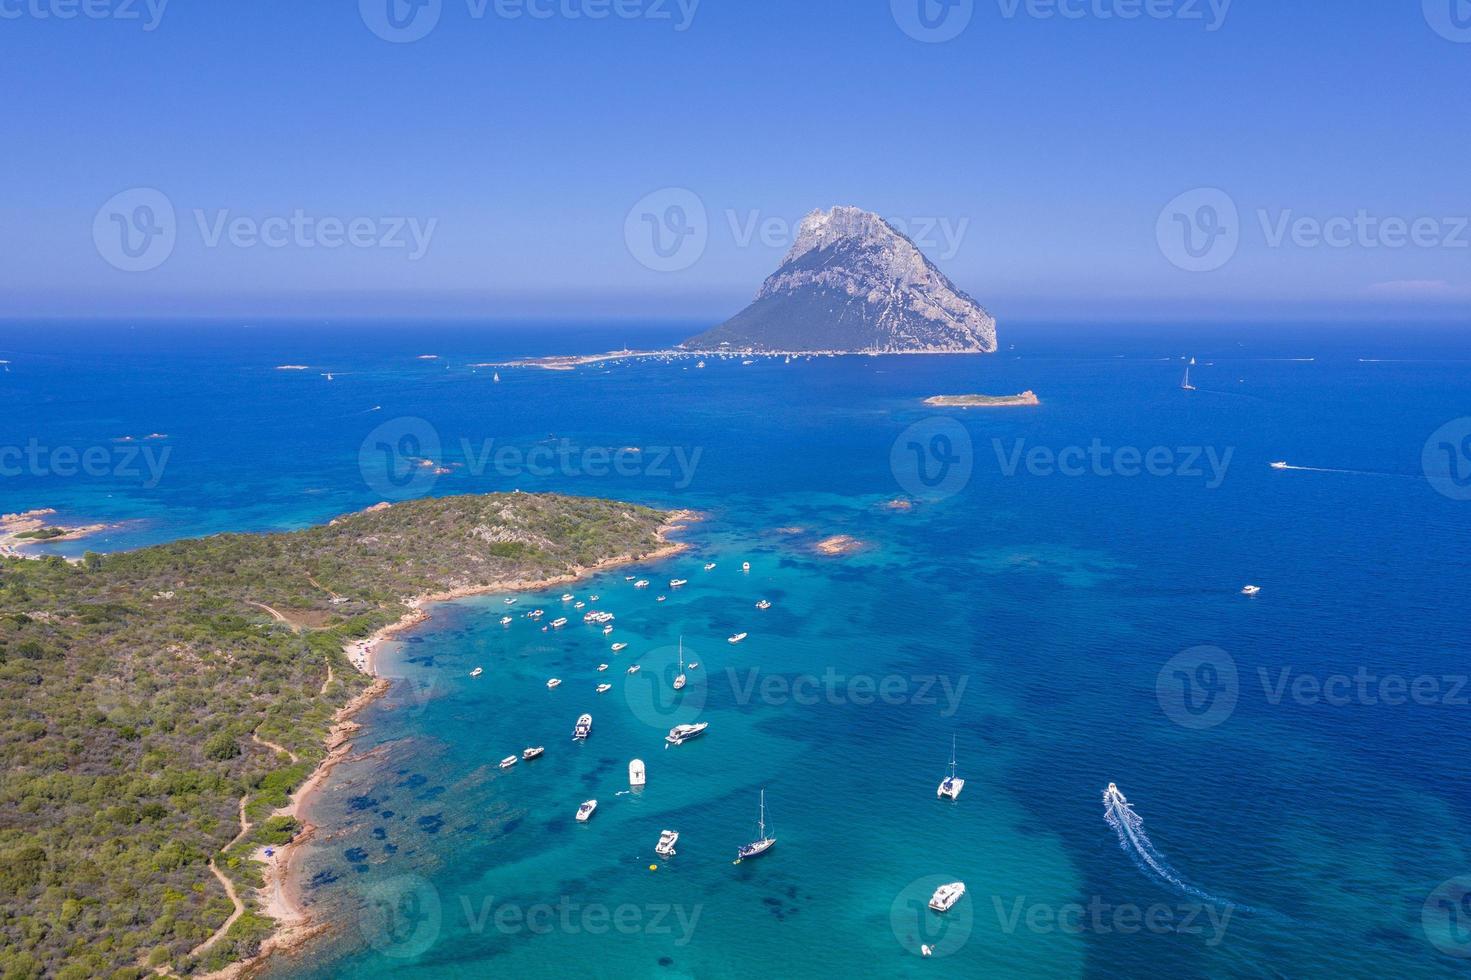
(1325, 469)
(1136, 843)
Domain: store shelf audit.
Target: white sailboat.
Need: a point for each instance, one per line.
(762, 843)
(951, 785)
(1186, 385)
(679, 681)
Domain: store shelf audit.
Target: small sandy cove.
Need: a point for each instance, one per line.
(280, 897)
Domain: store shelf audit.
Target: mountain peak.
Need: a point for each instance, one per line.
(853, 282)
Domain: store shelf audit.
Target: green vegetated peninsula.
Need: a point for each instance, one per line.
(159, 706)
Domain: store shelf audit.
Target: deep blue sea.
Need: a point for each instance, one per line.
(1063, 598)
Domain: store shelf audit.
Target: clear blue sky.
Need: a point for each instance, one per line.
(1053, 143)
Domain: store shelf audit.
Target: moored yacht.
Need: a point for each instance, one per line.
(477, 671)
(763, 604)
(680, 734)
(602, 667)
(676, 583)
(505, 620)
(737, 638)
(745, 566)
(584, 727)
(951, 785)
(555, 682)
(559, 622)
(567, 597)
(510, 602)
(709, 566)
(762, 843)
(604, 688)
(634, 669)
(508, 761)
(642, 583)
(667, 840)
(533, 753)
(636, 772)
(586, 810)
(679, 680)
(945, 897)
(619, 647)
(1250, 589)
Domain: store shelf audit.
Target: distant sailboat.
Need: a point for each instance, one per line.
(680, 680)
(951, 785)
(496, 377)
(762, 843)
(1185, 384)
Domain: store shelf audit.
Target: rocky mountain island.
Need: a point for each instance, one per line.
(853, 283)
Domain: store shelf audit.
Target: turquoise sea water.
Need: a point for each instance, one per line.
(1046, 620)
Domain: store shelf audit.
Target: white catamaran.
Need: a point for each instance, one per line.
(951, 785)
(762, 843)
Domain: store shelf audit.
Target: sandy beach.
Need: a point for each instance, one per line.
(14, 527)
(280, 896)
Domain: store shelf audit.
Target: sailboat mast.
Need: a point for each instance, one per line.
(762, 821)
(952, 756)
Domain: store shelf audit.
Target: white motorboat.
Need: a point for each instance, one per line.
(505, 620)
(510, 602)
(583, 728)
(559, 622)
(661, 598)
(619, 647)
(477, 671)
(555, 682)
(534, 752)
(634, 669)
(593, 598)
(1281, 464)
(607, 630)
(586, 810)
(762, 843)
(636, 772)
(602, 667)
(745, 566)
(945, 897)
(642, 583)
(1251, 589)
(709, 566)
(567, 597)
(508, 761)
(604, 688)
(676, 583)
(680, 734)
(763, 604)
(667, 840)
(536, 614)
(737, 638)
(951, 785)
(579, 604)
(692, 665)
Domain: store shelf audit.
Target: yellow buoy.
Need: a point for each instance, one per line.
(653, 867)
